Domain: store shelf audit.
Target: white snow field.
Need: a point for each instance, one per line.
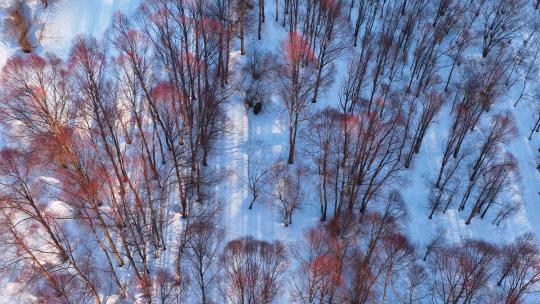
(269, 131)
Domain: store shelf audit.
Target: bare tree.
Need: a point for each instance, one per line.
(435, 242)
(505, 211)
(321, 264)
(496, 180)
(431, 105)
(323, 138)
(501, 131)
(519, 270)
(461, 273)
(501, 22)
(442, 195)
(294, 78)
(288, 194)
(535, 105)
(39, 245)
(372, 153)
(527, 61)
(380, 242)
(416, 280)
(261, 17)
(252, 271)
(328, 35)
(258, 171)
(169, 291)
(202, 248)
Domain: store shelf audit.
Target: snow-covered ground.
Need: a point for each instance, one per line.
(73, 17)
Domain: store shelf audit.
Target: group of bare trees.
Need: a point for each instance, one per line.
(374, 261)
(413, 62)
(253, 271)
(492, 173)
(317, 36)
(120, 135)
(107, 144)
(394, 90)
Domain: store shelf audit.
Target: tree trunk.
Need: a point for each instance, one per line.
(277, 16)
(242, 8)
(536, 125)
(252, 201)
(290, 159)
(260, 21)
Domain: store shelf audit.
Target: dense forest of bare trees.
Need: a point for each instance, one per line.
(107, 180)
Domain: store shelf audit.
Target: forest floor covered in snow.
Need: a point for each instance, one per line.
(264, 137)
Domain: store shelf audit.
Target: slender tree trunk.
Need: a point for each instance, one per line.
(277, 15)
(293, 128)
(535, 127)
(290, 159)
(260, 19)
(252, 201)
